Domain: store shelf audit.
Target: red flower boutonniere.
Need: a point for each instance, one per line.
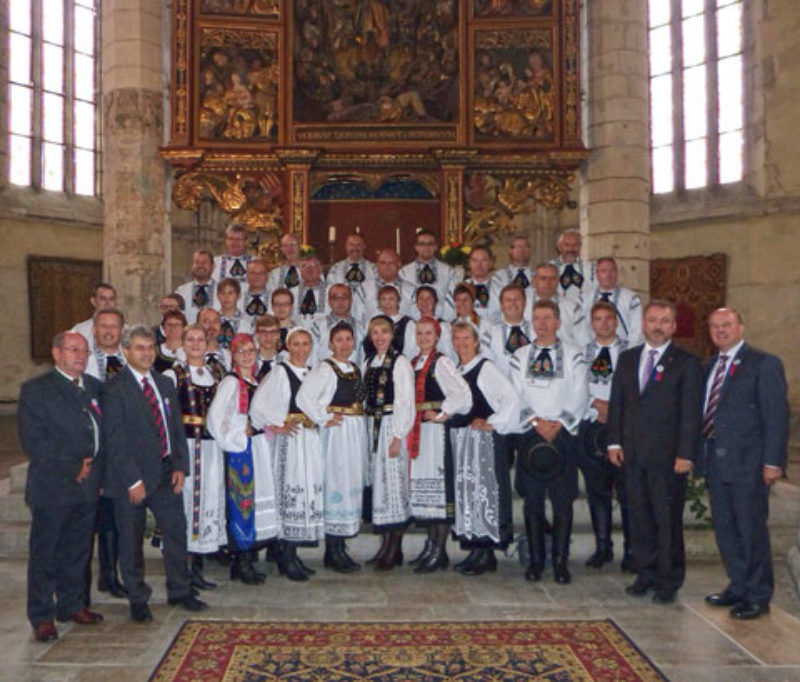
(733, 367)
(96, 407)
(659, 373)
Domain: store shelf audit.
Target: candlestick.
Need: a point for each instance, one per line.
(332, 234)
(397, 239)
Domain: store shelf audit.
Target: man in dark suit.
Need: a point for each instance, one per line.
(146, 465)
(745, 436)
(653, 427)
(59, 426)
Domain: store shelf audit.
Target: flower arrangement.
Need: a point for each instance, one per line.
(307, 250)
(455, 253)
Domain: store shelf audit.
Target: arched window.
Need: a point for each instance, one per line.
(696, 93)
(52, 95)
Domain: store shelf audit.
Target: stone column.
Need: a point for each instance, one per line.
(136, 233)
(615, 182)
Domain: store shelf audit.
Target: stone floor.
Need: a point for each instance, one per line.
(688, 640)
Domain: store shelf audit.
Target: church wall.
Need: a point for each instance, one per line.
(756, 223)
(38, 224)
(762, 282)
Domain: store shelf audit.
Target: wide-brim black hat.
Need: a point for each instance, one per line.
(544, 461)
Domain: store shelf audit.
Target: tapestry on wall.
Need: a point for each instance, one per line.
(697, 287)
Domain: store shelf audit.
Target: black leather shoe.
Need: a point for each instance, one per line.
(639, 588)
(486, 561)
(600, 557)
(664, 597)
(748, 610)
(467, 560)
(189, 602)
(533, 573)
(562, 574)
(724, 598)
(140, 612)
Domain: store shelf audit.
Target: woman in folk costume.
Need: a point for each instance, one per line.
(439, 391)
(299, 468)
(427, 301)
(390, 405)
(169, 352)
(332, 395)
(252, 510)
(404, 334)
(204, 487)
(482, 481)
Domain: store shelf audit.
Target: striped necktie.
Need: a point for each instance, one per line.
(713, 397)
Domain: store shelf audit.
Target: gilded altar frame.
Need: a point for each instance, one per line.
(239, 68)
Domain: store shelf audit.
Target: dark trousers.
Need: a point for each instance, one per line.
(167, 507)
(655, 499)
(58, 551)
(562, 490)
(601, 477)
(740, 509)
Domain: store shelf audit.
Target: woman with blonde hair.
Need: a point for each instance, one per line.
(299, 467)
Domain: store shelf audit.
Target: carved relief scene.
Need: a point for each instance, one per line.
(238, 85)
(378, 61)
(262, 8)
(515, 93)
(512, 8)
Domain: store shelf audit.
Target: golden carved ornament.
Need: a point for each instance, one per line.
(251, 199)
(504, 199)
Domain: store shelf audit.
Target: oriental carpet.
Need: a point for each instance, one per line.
(557, 651)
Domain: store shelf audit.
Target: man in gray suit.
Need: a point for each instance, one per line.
(59, 426)
(147, 462)
(745, 436)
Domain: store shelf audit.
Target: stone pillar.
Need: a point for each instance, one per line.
(136, 232)
(615, 182)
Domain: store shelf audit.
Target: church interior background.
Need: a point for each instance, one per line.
(479, 119)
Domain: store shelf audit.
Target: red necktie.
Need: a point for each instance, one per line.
(150, 394)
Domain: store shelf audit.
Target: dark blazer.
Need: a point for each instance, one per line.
(662, 423)
(751, 424)
(56, 431)
(131, 440)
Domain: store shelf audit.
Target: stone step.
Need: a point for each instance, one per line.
(18, 475)
(14, 539)
(13, 508)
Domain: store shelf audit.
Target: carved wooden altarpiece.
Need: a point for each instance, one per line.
(470, 108)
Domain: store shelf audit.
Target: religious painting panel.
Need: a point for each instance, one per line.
(484, 9)
(514, 89)
(263, 9)
(239, 85)
(373, 70)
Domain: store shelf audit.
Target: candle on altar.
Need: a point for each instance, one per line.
(332, 234)
(397, 239)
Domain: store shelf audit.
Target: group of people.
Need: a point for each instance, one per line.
(277, 410)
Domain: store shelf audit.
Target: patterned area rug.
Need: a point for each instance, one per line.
(557, 651)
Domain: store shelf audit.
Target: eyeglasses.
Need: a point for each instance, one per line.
(245, 351)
